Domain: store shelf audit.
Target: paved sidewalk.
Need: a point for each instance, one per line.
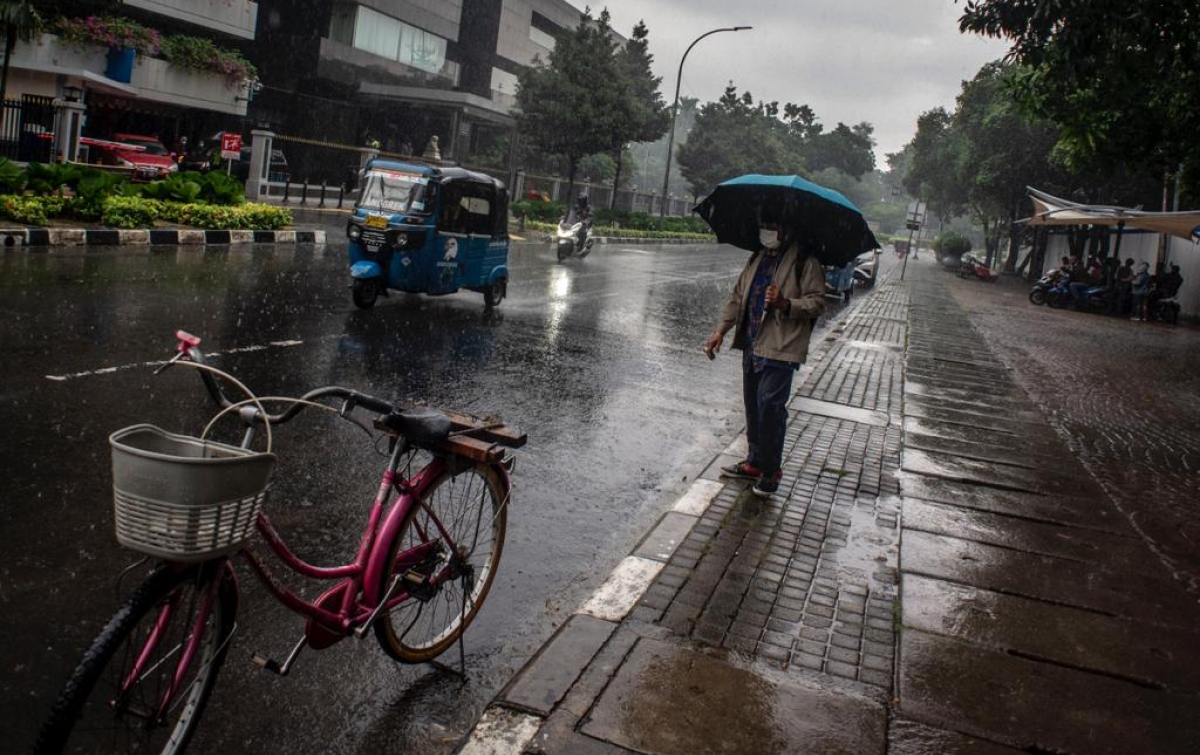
(1002, 604)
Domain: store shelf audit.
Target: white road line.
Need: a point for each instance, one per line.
(700, 494)
(613, 599)
(500, 731)
(136, 365)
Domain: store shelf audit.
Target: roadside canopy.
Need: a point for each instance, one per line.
(1050, 210)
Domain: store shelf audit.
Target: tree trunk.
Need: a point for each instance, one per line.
(612, 202)
(10, 41)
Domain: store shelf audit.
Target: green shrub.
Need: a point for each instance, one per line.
(12, 178)
(30, 210)
(536, 210)
(174, 188)
(131, 212)
(41, 178)
(249, 216)
(951, 244)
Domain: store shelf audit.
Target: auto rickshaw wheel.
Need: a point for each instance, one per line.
(365, 291)
(494, 294)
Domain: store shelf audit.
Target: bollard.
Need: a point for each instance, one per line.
(304, 193)
(322, 202)
(287, 187)
(341, 195)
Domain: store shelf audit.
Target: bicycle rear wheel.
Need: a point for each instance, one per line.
(102, 709)
(471, 508)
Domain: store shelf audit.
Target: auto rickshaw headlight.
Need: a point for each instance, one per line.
(354, 232)
(401, 239)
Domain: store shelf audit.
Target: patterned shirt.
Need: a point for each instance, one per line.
(755, 309)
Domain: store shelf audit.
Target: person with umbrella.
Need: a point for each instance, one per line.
(792, 227)
(772, 308)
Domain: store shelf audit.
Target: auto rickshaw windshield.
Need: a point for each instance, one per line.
(394, 191)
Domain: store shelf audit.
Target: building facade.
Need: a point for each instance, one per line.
(82, 87)
(396, 73)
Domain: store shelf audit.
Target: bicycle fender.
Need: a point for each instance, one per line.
(366, 269)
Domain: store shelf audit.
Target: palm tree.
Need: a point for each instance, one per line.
(21, 22)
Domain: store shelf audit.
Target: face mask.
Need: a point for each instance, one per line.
(768, 238)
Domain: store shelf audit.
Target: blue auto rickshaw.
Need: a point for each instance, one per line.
(839, 281)
(424, 229)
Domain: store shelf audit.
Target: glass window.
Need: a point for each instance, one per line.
(542, 38)
(420, 49)
(394, 191)
(377, 33)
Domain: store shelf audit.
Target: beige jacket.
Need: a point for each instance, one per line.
(782, 336)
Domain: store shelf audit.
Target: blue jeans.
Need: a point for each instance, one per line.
(765, 394)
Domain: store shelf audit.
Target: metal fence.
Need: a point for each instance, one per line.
(27, 129)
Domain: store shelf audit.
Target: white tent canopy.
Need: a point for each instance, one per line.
(1050, 210)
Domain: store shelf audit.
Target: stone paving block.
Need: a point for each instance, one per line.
(911, 738)
(1155, 601)
(1159, 656)
(545, 680)
(1077, 544)
(678, 690)
(1036, 706)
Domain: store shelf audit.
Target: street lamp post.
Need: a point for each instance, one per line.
(675, 111)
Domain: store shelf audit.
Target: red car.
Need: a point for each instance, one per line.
(147, 156)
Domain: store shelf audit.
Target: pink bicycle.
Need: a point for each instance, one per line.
(427, 558)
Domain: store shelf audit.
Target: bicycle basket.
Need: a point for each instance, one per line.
(182, 498)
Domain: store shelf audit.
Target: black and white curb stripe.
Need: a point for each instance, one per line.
(36, 237)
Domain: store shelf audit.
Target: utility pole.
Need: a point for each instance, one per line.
(916, 219)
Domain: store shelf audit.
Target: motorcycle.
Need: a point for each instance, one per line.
(973, 267)
(866, 268)
(1043, 287)
(573, 238)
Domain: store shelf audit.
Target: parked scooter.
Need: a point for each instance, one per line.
(1042, 288)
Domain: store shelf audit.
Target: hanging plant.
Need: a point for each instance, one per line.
(199, 54)
(108, 31)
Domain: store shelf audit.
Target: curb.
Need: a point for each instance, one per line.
(42, 237)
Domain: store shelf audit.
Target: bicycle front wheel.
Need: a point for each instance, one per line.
(466, 512)
(113, 701)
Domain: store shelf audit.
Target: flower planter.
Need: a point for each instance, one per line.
(120, 64)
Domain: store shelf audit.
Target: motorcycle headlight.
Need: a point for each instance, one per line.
(354, 232)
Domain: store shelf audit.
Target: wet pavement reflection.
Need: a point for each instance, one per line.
(598, 360)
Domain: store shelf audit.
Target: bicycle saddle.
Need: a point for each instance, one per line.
(422, 425)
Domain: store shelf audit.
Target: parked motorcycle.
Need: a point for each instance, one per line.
(973, 267)
(1042, 287)
(866, 268)
(574, 238)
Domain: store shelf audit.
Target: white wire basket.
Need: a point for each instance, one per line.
(182, 498)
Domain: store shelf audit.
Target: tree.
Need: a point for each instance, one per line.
(733, 136)
(1121, 80)
(21, 22)
(933, 175)
(645, 116)
(571, 104)
(846, 148)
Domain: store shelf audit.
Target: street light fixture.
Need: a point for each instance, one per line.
(675, 111)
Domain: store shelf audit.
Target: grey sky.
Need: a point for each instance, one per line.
(882, 61)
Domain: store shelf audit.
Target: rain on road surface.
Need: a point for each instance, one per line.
(598, 360)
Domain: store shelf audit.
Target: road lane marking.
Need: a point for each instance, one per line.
(160, 362)
(613, 599)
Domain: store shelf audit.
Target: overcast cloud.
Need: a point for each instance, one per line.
(881, 61)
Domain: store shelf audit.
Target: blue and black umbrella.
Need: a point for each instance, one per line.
(826, 224)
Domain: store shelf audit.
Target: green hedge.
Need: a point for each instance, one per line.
(139, 212)
(601, 230)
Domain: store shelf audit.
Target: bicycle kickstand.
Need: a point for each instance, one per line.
(273, 666)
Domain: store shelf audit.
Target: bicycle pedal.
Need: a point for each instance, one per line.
(266, 664)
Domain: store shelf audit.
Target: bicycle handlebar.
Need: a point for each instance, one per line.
(192, 349)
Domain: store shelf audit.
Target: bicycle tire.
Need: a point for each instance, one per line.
(85, 718)
(468, 502)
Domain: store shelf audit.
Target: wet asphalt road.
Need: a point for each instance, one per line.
(598, 360)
